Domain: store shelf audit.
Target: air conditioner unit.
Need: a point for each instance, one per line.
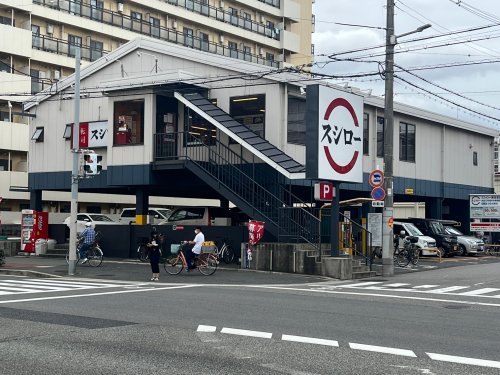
(57, 75)
(221, 4)
(221, 38)
(120, 7)
(260, 51)
(50, 29)
(174, 24)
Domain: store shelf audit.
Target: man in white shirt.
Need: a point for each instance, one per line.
(196, 250)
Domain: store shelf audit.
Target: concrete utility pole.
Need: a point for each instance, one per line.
(387, 232)
(76, 167)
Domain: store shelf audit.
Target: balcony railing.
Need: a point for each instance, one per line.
(144, 27)
(62, 47)
(141, 27)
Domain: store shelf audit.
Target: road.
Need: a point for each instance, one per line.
(436, 322)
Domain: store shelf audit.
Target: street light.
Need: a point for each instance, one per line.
(387, 232)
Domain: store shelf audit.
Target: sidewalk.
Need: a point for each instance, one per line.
(133, 270)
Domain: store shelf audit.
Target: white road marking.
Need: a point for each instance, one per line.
(97, 294)
(464, 360)
(202, 328)
(64, 282)
(28, 288)
(396, 285)
(382, 349)
(358, 285)
(425, 286)
(309, 340)
(244, 332)
(479, 291)
(448, 289)
(472, 303)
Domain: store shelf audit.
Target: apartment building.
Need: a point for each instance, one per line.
(39, 39)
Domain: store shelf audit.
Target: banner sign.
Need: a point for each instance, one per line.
(93, 134)
(255, 231)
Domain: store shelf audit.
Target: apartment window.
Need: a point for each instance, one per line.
(233, 15)
(68, 130)
(128, 122)
(74, 43)
(270, 32)
(136, 16)
(406, 142)
(250, 111)
(75, 7)
(95, 50)
(204, 41)
(233, 11)
(155, 26)
(380, 136)
(474, 158)
(38, 135)
(136, 21)
(35, 38)
(495, 152)
(366, 133)
(233, 49)
(96, 9)
(36, 84)
(296, 121)
(188, 37)
(247, 53)
(269, 58)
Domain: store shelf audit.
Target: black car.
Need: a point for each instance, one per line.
(435, 229)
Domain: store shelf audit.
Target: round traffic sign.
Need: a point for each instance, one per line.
(378, 194)
(376, 178)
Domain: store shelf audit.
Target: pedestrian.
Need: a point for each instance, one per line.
(196, 249)
(154, 254)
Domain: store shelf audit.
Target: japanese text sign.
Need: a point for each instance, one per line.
(255, 231)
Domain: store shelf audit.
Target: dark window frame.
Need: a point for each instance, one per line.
(475, 158)
(133, 117)
(38, 134)
(380, 136)
(407, 143)
(366, 134)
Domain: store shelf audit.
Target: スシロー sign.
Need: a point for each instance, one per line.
(336, 125)
(93, 134)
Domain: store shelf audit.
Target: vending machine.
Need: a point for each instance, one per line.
(34, 225)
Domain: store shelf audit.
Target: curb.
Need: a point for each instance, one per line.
(28, 273)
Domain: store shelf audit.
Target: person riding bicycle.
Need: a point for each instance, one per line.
(196, 249)
(88, 235)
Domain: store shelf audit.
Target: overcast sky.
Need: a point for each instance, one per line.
(480, 82)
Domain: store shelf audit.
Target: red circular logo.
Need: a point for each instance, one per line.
(341, 169)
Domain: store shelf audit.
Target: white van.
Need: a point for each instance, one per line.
(158, 213)
(426, 244)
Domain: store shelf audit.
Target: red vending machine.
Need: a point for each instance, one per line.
(34, 225)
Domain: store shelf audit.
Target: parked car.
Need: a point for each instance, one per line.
(426, 245)
(95, 219)
(203, 216)
(158, 213)
(434, 228)
(467, 244)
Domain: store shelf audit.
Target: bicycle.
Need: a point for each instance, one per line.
(225, 252)
(94, 253)
(409, 253)
(176, 262)
(2, 257)
(143, 249)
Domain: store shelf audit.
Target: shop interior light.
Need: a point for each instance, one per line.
(245, 99)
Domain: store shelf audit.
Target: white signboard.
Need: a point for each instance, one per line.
(484, 206)
(340, 136)
(375, 227)
(484, 227)
(93, 134)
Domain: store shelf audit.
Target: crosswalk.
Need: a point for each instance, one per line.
(458, 290)
(14, 286)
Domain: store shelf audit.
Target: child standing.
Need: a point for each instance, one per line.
(154, 254)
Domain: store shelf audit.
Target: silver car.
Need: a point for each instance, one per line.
(468, 244)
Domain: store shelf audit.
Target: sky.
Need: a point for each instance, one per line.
(479, 80)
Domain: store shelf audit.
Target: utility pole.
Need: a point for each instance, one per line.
(387, 232)
(76, 166)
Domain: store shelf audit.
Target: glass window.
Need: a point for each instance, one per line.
(74, 43)
(36, 83)
(380, 136)
(75, 7)
(296, 122)
(188, 37)
(247, 52)
(250, 111)
(68, 131)
(204, 41)
(38, 135)
(199, 129)
(406, 142)
(96, 9)
(366, 133)
(136, 16)
(128, 120)
(155, 26)
(95, 50)
(474, 158)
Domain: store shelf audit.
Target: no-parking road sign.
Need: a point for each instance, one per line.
(376, 178)
(378, 194)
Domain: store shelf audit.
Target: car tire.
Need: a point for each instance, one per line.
(463, 251)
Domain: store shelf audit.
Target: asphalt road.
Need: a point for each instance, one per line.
(438, 322)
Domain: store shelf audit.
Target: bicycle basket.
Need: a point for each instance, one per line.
(174, 248)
